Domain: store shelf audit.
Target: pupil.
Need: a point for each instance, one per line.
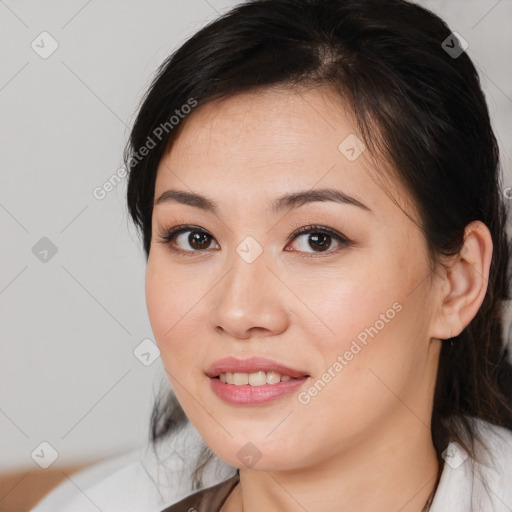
(198, 240)
(319, 236)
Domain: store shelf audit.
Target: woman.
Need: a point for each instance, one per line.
(317, 187)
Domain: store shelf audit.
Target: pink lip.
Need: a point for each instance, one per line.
(252, 365)
(253, 395)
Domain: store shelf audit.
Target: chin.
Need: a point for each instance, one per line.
(259, 455)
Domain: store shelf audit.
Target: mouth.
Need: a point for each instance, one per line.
(255, 381)
(253, 372)
(259, 378)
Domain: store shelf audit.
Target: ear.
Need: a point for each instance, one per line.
(463, 284)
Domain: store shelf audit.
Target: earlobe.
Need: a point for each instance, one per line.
(464, 283)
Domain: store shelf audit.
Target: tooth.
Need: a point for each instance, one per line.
(240, 378)
(257, 378)
(273, 378)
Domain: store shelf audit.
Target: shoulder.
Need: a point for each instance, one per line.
(482, 484)
(103, 486)
(494, 469)
(143, 480)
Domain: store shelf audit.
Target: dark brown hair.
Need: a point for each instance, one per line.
(416, 104)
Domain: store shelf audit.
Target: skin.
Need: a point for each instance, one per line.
(363, 442)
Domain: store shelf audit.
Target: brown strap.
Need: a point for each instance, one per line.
(206, 500)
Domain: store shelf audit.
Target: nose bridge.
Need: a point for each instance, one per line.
(248, 266)
(247, 298)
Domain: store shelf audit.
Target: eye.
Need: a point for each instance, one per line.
(320, 239)
(196, 238)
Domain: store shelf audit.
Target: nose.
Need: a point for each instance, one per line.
(249, 301)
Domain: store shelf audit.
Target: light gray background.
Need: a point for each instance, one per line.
(69, 326)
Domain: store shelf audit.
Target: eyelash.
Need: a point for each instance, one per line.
(167, 236)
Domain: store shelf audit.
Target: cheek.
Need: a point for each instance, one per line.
(174, 320)
(363, 370)
(371, 327)
(170, 302)
(349, 305)
(372, 300)
(157, 301)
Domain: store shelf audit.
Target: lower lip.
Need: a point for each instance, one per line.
(253, 395)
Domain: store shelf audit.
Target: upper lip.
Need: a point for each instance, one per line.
(252, 365)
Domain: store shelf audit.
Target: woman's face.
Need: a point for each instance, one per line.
(352, 315)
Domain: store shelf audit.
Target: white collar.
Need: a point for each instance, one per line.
(477, 486)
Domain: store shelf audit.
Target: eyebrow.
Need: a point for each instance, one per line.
(285, 202)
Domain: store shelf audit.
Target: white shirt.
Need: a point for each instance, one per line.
(140, 482)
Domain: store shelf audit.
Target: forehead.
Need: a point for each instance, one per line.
(263, 123)
(270, 142)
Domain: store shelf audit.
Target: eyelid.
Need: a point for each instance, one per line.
(310, 226)
(167, 236)
(341, 239)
